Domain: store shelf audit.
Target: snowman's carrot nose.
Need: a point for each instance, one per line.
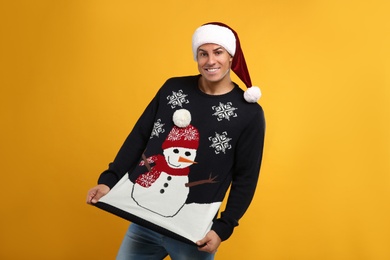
(182, 159)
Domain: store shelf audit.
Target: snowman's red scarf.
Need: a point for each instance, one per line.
(148, 178)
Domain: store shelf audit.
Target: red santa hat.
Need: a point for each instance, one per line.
(225, 36)
(182, 134)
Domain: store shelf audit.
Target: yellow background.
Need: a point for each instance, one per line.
(75, 75)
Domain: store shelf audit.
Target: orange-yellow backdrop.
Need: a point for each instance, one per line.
(75, 75)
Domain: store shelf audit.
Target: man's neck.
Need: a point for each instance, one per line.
(216, 88)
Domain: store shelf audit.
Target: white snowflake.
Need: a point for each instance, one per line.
(157, 129)
(174, 135)
(188, 134)
(191, 133)
(146, 180)
(220, 142)
(177, 99)
(224, 111)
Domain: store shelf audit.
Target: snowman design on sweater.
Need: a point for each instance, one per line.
(164, 188)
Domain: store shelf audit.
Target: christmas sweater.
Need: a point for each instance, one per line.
(173, 179)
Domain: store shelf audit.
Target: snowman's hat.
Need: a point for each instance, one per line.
(182, 134)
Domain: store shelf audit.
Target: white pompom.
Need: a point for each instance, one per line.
(252, 94)
(181, 117)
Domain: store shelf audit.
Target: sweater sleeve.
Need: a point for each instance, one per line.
(245, 176)
(133, 147)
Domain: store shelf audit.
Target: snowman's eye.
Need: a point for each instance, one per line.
(175, 150)
(187, 153)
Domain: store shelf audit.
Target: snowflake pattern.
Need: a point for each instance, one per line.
(188, 134)
(177, 99)
(224, 111)
(220, 142)
(146, 180)
(157, 129)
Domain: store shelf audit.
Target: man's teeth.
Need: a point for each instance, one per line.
(211, 70)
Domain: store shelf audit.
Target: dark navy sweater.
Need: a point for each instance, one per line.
(227, 135)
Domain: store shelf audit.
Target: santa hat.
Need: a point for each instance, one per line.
(182, 134)
(225, 36)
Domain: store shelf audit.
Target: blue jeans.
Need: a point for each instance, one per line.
(141, 243)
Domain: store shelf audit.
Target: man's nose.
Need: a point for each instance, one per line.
(211, 59)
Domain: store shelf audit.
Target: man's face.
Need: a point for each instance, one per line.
(214, 62)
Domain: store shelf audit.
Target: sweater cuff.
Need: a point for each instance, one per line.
(223, 228)
(108, 178)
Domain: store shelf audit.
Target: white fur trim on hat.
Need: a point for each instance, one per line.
(211, 33)
(252, 94)
(181, 118)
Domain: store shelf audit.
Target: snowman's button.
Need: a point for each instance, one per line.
(165, 185)
(169, 178)
(162, 191)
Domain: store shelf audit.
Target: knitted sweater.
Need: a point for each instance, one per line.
(176, 178)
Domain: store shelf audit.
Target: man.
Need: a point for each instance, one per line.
(199, 136)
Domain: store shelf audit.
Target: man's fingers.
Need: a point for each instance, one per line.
(202, 243)
(205, 248)
(90, 195)
(96, 193)
(209, 243)
(97, 196)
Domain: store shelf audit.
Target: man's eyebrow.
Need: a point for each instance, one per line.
(216, 49)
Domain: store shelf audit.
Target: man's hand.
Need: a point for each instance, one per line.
(96, 193)
(210, 242)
